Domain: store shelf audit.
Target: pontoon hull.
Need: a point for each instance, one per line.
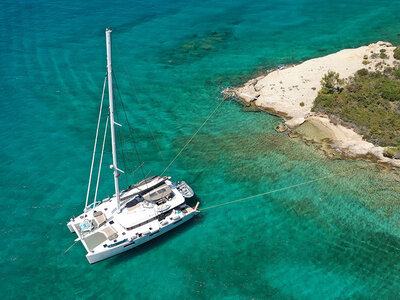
(96, 257)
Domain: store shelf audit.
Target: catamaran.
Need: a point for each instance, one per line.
(133, 216)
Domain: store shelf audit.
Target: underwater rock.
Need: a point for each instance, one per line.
(281, 128)
(198, 47)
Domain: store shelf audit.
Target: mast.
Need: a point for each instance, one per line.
(111, 100)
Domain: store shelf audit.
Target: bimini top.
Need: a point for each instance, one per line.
(158, 193)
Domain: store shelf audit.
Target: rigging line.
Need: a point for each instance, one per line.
(101, 161)
(128, 164)
(95, 142)
(140, 103)
(192, 137)
(277, 190)
(148, 173)
(134, 171)
(129, 125)
(121, 143)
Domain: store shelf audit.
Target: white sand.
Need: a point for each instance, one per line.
(282, 91)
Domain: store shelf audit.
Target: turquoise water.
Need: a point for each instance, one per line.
(172, 59)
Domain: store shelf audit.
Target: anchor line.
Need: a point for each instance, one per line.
(277, 190)
(193, 136)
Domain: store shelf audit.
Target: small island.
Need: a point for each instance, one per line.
(348, 101)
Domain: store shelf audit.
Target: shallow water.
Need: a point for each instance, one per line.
(171, 60)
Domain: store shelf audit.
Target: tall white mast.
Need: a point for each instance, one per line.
(111, 100)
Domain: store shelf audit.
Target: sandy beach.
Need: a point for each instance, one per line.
(290, 92)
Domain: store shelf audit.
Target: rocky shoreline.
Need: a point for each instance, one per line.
(290, 92)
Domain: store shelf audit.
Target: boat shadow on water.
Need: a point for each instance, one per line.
(149, 246)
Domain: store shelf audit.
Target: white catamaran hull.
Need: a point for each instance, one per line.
(96, 257)
(135, 215)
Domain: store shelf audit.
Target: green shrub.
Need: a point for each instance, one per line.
(382, 50)
(301, 104)
(383, 55)
(391, 152)
(376, 74)
(366, 62)
(396, 73)
(325, 102)
(369, 101)
(388, 71)
(396, 53)
(353, 87)
(365, 56)
(374, 55)
(390, 89)
(362, 72)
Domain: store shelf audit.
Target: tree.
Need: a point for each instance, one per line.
(332, 83)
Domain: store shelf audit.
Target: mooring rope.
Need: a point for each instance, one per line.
(277, 190)
(192, 137)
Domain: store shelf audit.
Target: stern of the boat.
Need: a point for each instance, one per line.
(70, 226)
